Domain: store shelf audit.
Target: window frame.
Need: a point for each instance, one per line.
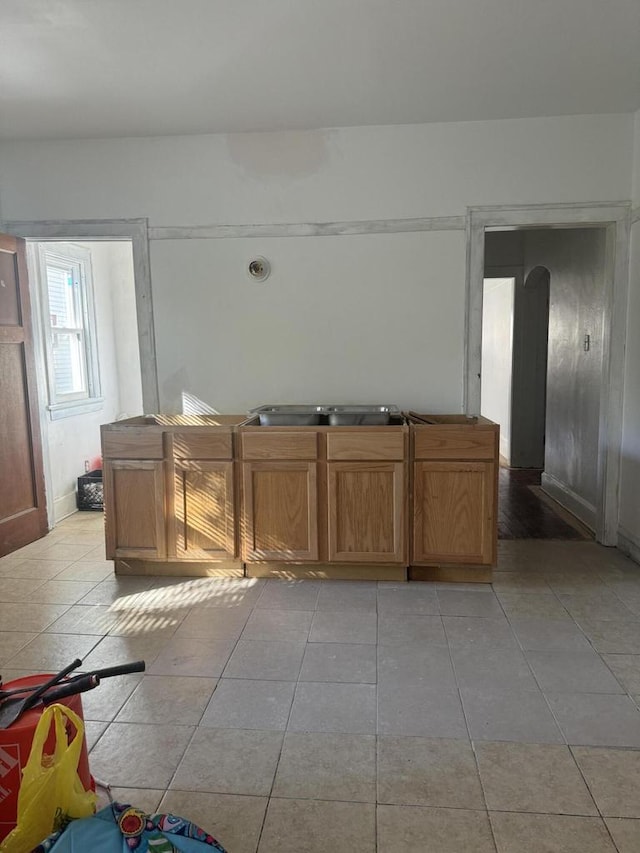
(78, 258)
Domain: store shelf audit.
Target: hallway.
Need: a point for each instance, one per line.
(525, 512)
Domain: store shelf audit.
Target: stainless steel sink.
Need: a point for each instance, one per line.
(313, 415)
(288, 415)
(360, 415)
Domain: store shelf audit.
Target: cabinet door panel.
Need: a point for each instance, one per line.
(454, 512)
(280, 511)
(134, 509)
(204, 509)
(366, 511)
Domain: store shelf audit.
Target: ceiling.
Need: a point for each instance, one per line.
(107, 68)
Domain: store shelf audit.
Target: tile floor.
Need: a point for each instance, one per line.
(302, 717)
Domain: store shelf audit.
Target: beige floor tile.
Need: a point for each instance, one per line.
(416, 710)
(39, 569)
(94, 730)
(151, 623)
(229, 761)
(213, 623)
(85, 619)
(87, 570)
(235, 821)
(354, 595)
(52, 652)
(290, 625)
(625, 833)
(145, 799)
(319, 766)
(346, 662)
(125, 593)
(405, 600)
(139, 756)
(61, 592)
(245, 703)
(532, 605)
(519, 582)
(396, 629)
(480, 632)
(168, 699)
(105, 701)
(334, 707)
(407, 829)
(626, 669)
(428, 772)
(532, 777)
(62, 551)
(206, 658)
(19, 589)
(112, 651)
(613, 776)
(317, 826)
(35, 617)
(279, 661)
(289, 595)
(344, 626)
(613, 637)
(10, 643)
(534, 833)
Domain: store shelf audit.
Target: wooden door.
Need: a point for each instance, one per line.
(280, 511)
(366, 512)
(454, 506)
(23, 512)
(203, 510)
(134, 508)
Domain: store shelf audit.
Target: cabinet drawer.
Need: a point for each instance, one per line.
(279, 445)
(453, 442)
(205, 445)
(365, 445)
(132, 444)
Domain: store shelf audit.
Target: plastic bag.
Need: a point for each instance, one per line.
(51, 792)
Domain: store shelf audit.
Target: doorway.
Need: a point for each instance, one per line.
(87, 355)
(605, 345)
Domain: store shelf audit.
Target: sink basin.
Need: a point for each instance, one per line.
(360, 415)
(312, 415)
(288, 415)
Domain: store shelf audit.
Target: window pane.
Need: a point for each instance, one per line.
(69, 362)
(65, 305)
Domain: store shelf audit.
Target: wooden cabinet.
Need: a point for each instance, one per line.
(201, 516)
(454, 494)
(134, 508)
(280, 510)
(366, 511)
(453, 512)
(328, 495)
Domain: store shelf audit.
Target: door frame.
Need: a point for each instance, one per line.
(615, 218)
(135, 230)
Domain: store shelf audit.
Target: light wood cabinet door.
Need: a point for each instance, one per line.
(454, 509)
(134, 497)
(280, 511)
(366, 512)
(203, 510)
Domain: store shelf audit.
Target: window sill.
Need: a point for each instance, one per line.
(77, 407)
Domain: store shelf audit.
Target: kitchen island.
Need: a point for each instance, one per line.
(224, 495)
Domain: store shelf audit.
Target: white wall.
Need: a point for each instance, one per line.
(369, 318)
(630, 474)
(408, 288)
(71, 441)
(575, 259)
(497, 356)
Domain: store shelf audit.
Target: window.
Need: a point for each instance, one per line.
(70, 330)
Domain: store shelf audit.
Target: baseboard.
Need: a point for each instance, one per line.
(567, 498)
(629, 543)
(64, 507)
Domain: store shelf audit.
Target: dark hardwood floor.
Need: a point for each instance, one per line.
(524, 514)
